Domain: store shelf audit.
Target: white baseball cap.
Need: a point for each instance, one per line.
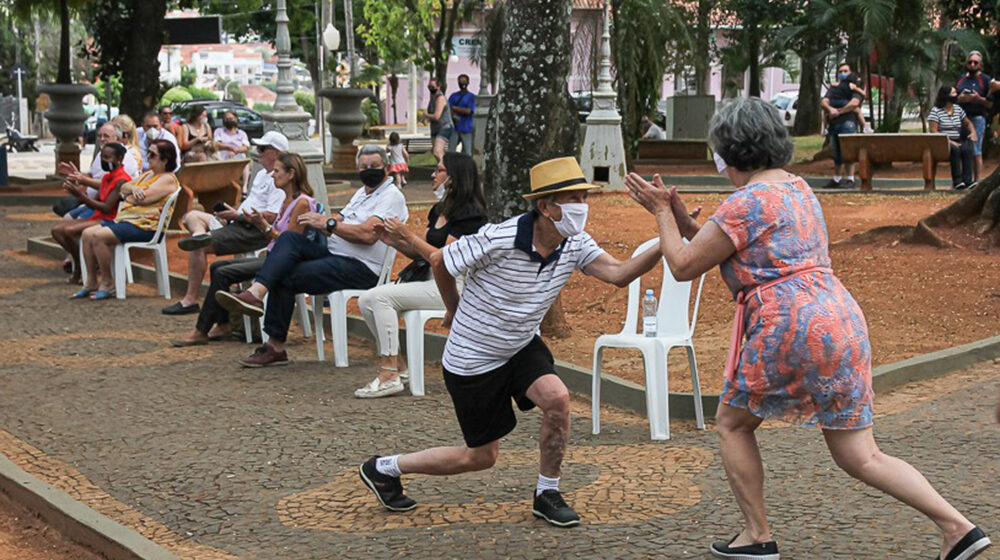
(273, 139)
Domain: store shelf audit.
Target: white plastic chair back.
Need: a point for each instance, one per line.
(673, 299)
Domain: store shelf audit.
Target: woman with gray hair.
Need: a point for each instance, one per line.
(806, 357)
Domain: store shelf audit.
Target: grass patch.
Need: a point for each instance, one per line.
(425, 159)
(806, 147)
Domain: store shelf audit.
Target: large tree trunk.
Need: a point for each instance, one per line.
(809, 118)
(753, 52)
(703, 37)
(141, 69)
(533, 117)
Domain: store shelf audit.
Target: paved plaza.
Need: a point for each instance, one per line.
(214, 461)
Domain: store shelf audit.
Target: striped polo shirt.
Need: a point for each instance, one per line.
(948, 124)
(508, 289)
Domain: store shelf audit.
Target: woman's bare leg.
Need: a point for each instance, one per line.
(745, 470)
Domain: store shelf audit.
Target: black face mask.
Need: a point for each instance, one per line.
(108, 166)
(953, 98)
(372, 177)
(463, 86)
(973, 71)
(229, 124)
(433, 90)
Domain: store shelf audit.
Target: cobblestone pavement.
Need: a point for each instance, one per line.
(217, 462)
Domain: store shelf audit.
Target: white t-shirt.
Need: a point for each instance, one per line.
(144, 146)
(386, 201)
(263, 195)
(508, 289)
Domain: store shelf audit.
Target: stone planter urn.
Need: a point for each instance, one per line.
(346, 123)
(66, 118)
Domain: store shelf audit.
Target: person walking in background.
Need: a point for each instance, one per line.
(461, 211)
(948, 118)
(230, 141)
(806, 358)
(843, 120)
(463, 105)
(439, 116)
(973, 89)
(399, 160)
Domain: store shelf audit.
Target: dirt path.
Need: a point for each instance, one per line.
(24, 536)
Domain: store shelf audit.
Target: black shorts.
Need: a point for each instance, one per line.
(236, 238)
(482, 402)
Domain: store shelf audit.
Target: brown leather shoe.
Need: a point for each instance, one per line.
(243, 302)
(266, 356)
(193, 339)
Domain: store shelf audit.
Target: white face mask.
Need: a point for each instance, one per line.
(441, 189)
(574, 218)
(720, 164)
(153, 133)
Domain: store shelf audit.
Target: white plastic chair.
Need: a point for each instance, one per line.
(673, 330)
(338, 314)
(158, 245)
(414, 320)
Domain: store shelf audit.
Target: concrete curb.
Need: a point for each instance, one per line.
(76, 521)
(631, 396)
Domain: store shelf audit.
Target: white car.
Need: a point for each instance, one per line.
(787, 104)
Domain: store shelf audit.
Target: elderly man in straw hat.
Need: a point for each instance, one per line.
(514, 271)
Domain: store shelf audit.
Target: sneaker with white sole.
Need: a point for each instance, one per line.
(756, 551)
(377, 389)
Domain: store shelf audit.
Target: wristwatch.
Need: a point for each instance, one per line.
(331, 225)
(268, 229)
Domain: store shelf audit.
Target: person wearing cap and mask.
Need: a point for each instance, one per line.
(973, 89)
(514, 271)
(462, 104)
(351, 257)
(227, 231)
(461, 211)
(151, 130)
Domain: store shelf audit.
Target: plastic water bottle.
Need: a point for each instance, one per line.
(649, 314)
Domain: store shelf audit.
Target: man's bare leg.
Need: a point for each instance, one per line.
(196, 222)
(442, 461)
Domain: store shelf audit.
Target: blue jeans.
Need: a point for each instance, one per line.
(465, 138)
(298, 266)
(979, 123)
(849, 126)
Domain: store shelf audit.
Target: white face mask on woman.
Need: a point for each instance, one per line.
(574, 218)
(441, 189)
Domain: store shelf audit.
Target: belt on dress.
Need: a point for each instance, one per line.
(736, 342)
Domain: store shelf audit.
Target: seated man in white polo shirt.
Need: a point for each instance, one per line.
(226, 231)
(351, 258)
(514, 271)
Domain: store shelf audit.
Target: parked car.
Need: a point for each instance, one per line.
(250, 120)
(584, 102)
(787, 105)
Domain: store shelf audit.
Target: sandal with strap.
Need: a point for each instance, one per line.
(82, 293)
(103, 294)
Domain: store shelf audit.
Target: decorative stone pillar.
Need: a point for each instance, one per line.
(484, 100)
(287, 117)
(66, 119)
(411, 99)
(603, 158)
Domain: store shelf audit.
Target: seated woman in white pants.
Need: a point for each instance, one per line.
(461, 211)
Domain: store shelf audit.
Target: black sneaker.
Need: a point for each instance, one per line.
(756, 551)
(550, 506)
(196, 241)
(959, 187)
(832, 184)
(180, 309)
(974, 542)
(847, 184)
(388, 489)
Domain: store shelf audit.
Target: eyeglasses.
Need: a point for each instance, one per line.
(974, 62)
(152, 155)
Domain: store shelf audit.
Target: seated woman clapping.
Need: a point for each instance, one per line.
(142, 201)
(461, 211)
(67, 233)
(290, 175)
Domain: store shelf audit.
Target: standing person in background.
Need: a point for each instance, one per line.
(463, 104)
(168, 122)
(151, 130)
(230, 141)
(439, 116)
(399, 160)
(973, 96)
(843, 120)
(196, 134)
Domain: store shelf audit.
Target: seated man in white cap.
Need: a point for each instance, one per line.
(226, 231)
(514, 271)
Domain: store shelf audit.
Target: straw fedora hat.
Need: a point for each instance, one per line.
(557, 175)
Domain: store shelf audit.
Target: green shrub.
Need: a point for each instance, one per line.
(201, 93)
(370, 109)
(262, 106)
(175, 94)
(306, 100)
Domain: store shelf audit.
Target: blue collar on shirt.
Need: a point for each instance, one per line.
(524, 240)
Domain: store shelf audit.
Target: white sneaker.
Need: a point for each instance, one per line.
(377, 389)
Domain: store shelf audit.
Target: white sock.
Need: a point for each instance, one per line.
(850, 177)
(388, 466)
(546, 483)
(837, 178)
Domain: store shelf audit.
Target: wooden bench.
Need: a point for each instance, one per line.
(869, 149)
(673, 151)
(211, 182)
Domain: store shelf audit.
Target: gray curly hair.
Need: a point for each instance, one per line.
(748, 134)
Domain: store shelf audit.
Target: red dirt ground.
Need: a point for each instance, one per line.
(24, 536)
(917, 299)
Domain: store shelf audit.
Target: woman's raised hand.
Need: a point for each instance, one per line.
(654, 197)
(393, 232)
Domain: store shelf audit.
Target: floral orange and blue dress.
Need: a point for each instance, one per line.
(806, 357)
